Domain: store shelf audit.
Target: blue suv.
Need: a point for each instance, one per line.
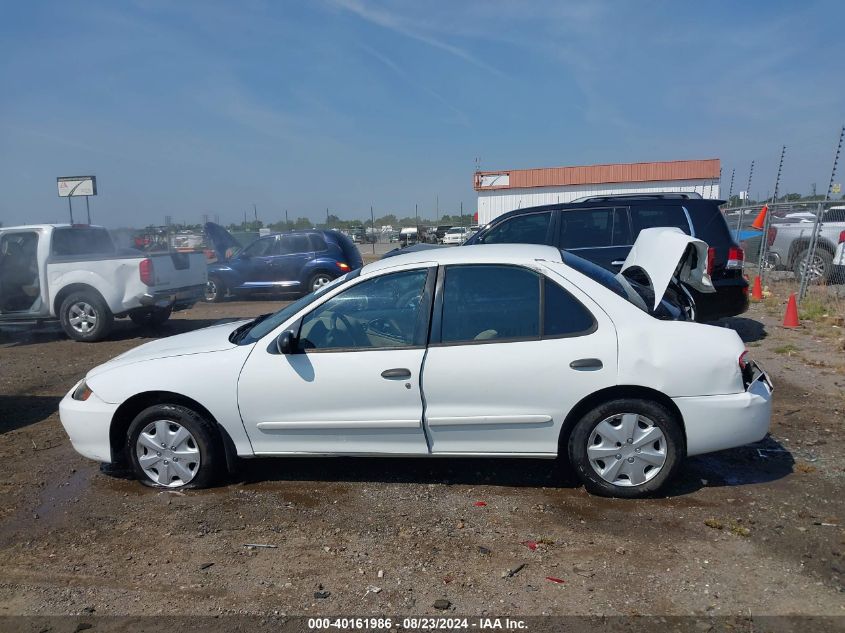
(299, 261)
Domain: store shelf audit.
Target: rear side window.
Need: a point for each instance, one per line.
(318, 243)
(71, 242)
(650, 217)
(522, 229)
(292, 244)
(594, 228)
(489, 303)
(563, 314)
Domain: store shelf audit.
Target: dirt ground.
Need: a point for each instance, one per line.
(756, 530)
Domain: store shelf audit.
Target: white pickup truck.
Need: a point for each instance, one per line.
(74, 273)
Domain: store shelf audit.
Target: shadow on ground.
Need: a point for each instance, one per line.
(19, 411)
(749, 330)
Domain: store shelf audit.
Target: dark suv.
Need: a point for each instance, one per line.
(299, 261)
(602, 229)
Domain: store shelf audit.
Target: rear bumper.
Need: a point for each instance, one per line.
(730, 299)
(714, 423)
(177, 298)
(87, 424)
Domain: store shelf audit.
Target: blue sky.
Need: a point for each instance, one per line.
(185, 108)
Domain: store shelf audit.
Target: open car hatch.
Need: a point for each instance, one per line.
(665, 254)
(221, 241)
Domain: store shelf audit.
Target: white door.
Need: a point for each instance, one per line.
(354, 384)
(515, 352)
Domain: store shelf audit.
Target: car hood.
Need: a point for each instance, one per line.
(220, 240)
(210, 339)
(664, 253)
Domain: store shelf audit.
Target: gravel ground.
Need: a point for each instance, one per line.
(756, 530)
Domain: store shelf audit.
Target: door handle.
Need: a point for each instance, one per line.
(618, 262)
(586, 364)
(399, 372)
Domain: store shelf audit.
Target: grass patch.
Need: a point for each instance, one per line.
(789, 349)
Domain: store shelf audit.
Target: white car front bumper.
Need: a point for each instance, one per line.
(87, 424)
(714, 423)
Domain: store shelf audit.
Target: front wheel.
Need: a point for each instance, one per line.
(171, 446)
(85, 317)
(626, 448)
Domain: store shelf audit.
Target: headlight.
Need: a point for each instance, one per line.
(82, 392)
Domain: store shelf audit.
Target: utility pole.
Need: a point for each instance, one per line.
(328, 226)
(255, 211)
(287, 222)
(437, 209)
(373, 228)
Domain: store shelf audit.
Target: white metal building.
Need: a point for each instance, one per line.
(502, 191)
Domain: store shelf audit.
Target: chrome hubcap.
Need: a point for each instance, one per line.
(627, 449)
(168, 453)
(82, 317)
(815, 269)
(210, 290)
(319, 282)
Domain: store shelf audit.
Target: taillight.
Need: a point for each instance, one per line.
(743, 360)
(771, 235)
(842, 237)
(146, 271)
(343, 266)
(735, 257)
(711, 258)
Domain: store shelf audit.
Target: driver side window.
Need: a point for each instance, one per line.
(390, 311)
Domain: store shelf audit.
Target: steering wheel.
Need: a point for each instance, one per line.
(410, 299)
(337, 336)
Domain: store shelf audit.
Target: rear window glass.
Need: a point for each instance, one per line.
(71, 242)
(318, 243)
(593, 228)
(292, 244)
(669, 215)
(563, 314)
(522, 229)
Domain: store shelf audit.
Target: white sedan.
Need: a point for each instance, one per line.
(563, 357)
(456, 235)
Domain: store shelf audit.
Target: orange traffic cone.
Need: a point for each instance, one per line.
(790, 319)
(757, 290)
(760, 219)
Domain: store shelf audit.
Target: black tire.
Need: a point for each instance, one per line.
(824, 264)
(205, 439)
(153, 317)
(317, 280)
(85, 316)
(658, 415)
(215, 290)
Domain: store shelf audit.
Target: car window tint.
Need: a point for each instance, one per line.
(69, 242)
(522, 229)
(669, 215)
(563, 314)
(261, 248)
(483, 303)
(292, 244)
(387, 311)
(318, 243)
(593, 228)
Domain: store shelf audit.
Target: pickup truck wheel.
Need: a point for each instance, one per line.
(819, 268)
(215, 291)
(626, 448)
(171, 446)
(85, 317)
(318, 281)
(152, 317)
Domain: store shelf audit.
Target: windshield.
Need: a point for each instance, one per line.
(263, 326)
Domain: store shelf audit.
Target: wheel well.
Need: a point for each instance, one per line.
(68, 290)
(612, 393)
(127, 411)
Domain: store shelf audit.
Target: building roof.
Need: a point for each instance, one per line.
(708, 169)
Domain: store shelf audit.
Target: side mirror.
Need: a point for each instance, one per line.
(286, 342)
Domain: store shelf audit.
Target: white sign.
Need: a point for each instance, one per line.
(836, 188)
(77, 186)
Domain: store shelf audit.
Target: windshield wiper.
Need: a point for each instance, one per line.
(240, 332)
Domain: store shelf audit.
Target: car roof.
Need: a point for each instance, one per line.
(33, 227)
(475, 254)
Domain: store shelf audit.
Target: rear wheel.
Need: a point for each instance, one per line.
(318, 281)
(171, 446)
(818, 269)
(626, 448)
(85, 316)
(152, 317)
